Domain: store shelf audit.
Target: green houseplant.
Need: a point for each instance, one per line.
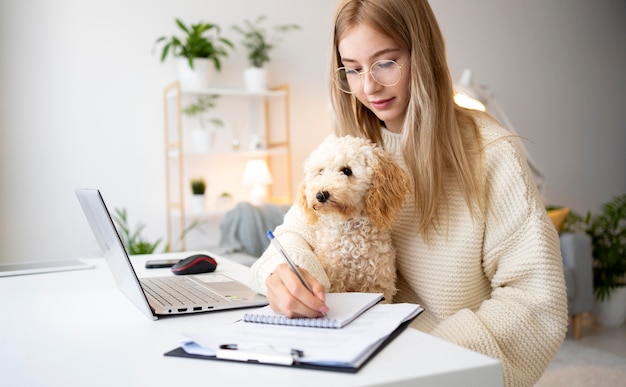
(198, 53)
(607, 230)
(198, 186)
(201, 40)
(608, 236)
(133, 240)
(258, 42)
(201, 107)
(202, 137)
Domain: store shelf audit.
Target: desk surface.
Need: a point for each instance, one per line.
(76, 329)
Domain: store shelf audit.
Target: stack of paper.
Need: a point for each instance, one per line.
(346, 348)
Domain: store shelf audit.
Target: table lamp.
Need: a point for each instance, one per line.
(478, 97)
(257, 174)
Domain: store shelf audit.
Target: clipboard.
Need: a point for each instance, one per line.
(282, 361)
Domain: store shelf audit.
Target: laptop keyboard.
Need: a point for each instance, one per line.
(177, 291)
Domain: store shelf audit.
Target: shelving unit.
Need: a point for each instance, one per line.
(222, 166)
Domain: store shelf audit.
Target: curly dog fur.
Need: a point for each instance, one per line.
(351, 193)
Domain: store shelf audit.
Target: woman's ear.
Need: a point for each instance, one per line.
(386, 195)
(309, 214)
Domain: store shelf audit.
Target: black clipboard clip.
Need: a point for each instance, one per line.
(266, 354)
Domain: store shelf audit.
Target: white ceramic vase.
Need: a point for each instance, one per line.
(255, 79)
(612, 311)
(199, 77)
(202, 139)
(197, 204)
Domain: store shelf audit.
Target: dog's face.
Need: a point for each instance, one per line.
(338, 174)
(346, 176)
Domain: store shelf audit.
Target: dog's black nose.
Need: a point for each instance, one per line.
(322, 196)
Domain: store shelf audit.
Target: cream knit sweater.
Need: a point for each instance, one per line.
(493, 285)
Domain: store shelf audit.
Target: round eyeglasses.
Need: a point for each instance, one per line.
(385, 72)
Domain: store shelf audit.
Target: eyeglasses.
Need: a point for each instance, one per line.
(385, 72)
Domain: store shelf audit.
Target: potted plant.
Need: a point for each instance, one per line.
(202, 136)
(200, 47)
(608, 236)
(198, 187)
(133, 240)
(259, 41)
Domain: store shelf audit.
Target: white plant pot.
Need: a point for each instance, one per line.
(199, 77)
(255, 79)
(197, 204)
(202, 140)
(612, 311)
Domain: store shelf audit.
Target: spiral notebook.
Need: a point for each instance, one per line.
(343, 309)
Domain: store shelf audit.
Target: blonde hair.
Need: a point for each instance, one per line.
(440, 139)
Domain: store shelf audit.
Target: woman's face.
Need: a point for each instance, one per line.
(359, 48)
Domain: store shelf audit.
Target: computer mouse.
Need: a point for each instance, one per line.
(195, 264)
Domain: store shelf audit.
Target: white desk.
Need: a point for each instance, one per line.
(76, 329)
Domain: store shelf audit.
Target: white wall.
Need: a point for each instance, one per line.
(557, 69)
(81, 100)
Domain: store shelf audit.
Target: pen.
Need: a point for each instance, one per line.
(293, 267)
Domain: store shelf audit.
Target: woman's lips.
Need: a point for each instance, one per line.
(381, 103)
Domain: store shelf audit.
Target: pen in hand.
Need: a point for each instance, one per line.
(292, 265)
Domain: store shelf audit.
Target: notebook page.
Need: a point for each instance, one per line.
(343, 309)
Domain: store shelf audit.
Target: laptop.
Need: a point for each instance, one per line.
(162, 296)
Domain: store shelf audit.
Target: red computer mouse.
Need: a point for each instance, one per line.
(195, 264)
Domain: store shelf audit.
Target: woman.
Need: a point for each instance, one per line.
(474, 244)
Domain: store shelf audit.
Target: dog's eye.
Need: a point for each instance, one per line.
(346, 171)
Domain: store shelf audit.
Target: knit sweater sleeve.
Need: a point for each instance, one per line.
(524, 321)
(297, 238)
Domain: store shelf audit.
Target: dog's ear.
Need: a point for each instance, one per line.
(309, 214)
(389, 187)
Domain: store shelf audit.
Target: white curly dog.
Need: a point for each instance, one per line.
(351, 193)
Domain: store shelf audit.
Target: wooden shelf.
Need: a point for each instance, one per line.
(271, 106)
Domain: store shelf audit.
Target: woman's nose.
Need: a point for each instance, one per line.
(370, 85)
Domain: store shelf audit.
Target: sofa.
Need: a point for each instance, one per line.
(578, 271)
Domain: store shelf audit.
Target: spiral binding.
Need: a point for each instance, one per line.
(298, 321)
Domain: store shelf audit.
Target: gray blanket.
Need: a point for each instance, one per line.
(243, 228)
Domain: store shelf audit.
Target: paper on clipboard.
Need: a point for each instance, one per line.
(346, 347)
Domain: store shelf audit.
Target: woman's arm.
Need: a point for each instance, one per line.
(272, 277)
(524, 321)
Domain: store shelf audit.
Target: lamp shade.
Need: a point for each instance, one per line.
(469, 95)
(257, 175)
(256, 172)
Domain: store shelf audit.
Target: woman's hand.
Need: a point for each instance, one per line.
(288, 296)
